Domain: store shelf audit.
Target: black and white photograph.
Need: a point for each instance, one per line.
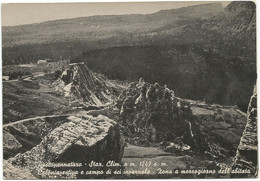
(129, 90)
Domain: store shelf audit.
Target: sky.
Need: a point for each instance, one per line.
(28, 13)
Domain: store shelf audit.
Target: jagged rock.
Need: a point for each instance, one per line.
(82, 140)
(151, 114)
(246, 157)
(78, 82)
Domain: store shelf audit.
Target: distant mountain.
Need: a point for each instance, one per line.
(102, 27)
(69, 38)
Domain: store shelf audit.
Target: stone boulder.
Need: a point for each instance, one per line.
(81, 140)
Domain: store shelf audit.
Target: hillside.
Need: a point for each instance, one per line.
(71, 37)
(103, 27)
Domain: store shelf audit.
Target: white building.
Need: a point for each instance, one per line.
(42, 61)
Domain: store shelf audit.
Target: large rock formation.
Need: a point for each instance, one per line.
(151, 114)
(77, 82)
(246, 157)
(81, 140)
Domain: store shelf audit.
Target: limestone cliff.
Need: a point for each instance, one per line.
(246, 157)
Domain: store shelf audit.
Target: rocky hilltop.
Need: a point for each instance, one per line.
(65, 132)
(246, 157)
(151, 113)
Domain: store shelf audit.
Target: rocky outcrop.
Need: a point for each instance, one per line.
(81, 140)
(77, 82)
(151, 114)
(246, 157)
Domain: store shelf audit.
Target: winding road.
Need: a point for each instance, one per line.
(37, 117)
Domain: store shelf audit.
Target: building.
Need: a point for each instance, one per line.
(43, 61)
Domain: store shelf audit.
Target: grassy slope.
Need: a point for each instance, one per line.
(22, 100)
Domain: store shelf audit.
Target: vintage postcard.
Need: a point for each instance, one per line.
(127, 90)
